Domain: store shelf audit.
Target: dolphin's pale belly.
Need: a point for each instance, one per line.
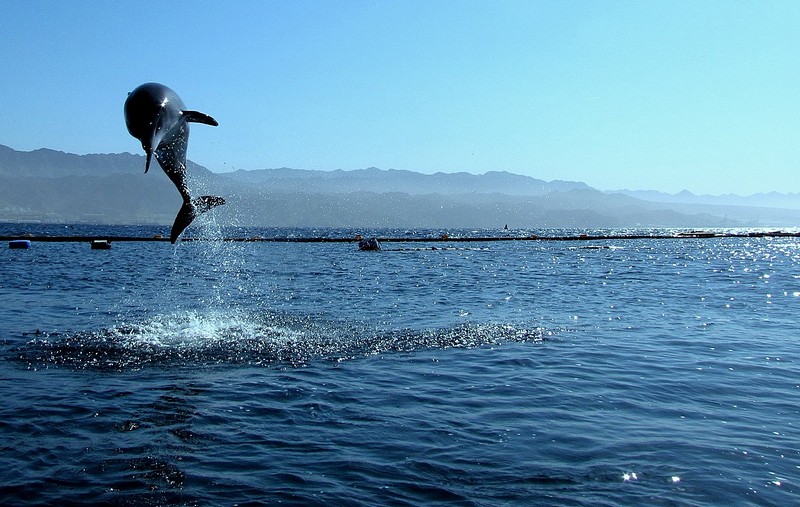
(171, 156)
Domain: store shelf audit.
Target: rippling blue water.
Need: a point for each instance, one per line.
(624, 372)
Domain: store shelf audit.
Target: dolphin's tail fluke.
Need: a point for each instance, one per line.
(191, 210)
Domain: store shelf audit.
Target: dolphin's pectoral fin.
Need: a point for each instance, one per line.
(198, 117)
(190, 210)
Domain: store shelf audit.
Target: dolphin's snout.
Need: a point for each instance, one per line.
(150, 143)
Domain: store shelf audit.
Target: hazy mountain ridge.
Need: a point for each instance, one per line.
(49, 185)
(394, 180)
(768, 199)
(47, 163)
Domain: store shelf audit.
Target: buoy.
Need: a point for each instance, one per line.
(101, 244)
(19, 243)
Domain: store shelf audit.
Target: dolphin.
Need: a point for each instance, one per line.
(156, 116)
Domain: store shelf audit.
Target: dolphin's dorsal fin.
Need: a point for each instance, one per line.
(198, 117)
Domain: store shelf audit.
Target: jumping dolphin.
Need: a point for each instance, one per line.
(156, 116)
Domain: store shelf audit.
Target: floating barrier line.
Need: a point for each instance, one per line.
(450, 239)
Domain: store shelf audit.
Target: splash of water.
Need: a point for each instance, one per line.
(195, 338)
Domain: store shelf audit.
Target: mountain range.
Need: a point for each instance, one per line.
(53, 186)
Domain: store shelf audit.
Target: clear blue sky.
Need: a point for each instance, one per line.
(697, 95)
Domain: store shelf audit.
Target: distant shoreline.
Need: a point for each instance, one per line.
(443, 238)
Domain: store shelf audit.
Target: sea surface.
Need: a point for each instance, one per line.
(587, 373)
